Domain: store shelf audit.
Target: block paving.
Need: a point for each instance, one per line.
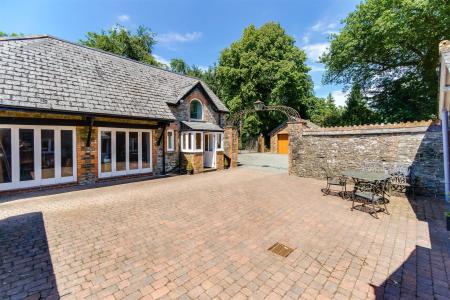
(206, 237)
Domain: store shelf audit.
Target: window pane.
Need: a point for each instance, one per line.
(169, 139)
(48, 153)
(206, 145)
(26, 154)
(198, 141)
(66, 153)
(105, 159)
(190, 142)
(5, 155)
(145, 150)
(196, 110)
(219, 141)
(133, 150)
(121, 151)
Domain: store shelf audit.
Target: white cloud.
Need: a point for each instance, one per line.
(325, 27)
(339, 97)
(123, 18)
(317, 68)
(314, 51)
(161, 59)
(174, 37)
(306, 38)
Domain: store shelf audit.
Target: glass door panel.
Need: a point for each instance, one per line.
(66, 153)
(133, 151)
(121, 151)
(5, 155)
(26, 154)
(146, 150)
(105, 157)
(48, 153)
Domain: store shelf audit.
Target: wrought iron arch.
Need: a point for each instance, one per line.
(291, 114)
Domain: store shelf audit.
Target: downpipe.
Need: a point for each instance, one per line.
(444, 119)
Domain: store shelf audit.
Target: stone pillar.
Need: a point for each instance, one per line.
(231, 142)
(261, 145)
(87, 156)
(295, 130)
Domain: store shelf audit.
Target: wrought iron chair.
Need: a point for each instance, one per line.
(371, 195)
(334, 180)
(402, 181)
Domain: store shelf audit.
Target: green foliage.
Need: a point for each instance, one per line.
(121, 41)
(324, 112)
(4, 34)
(390, 49)
(264, 65)
(357, 111)
(178, 65)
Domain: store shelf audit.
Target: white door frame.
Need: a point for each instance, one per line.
(209, 153)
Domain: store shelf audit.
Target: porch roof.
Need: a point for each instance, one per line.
(200, 126)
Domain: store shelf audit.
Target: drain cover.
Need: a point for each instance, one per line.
(281, 250)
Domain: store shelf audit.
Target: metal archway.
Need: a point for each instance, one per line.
(291, 114)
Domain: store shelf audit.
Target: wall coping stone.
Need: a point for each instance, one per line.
(404, 127)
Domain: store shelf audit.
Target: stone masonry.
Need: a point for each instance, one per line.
(416, 144)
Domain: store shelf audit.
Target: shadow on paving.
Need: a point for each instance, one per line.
(26, 268)
(426, 272)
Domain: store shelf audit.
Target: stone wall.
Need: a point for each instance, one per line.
(87, 156)
(415, 144)
(182, 111)
(196, 160)
(230, 143)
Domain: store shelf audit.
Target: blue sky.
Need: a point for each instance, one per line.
(193, 30)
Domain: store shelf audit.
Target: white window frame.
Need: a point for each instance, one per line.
(219, 136)
(127, 170)
(185, 141)
(202, 108)
(38, 180)
(171, 149)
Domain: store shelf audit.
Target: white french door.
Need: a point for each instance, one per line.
(209, 154)
(123, 151)
(36, 155)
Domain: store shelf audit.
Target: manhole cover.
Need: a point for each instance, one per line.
(281, 250)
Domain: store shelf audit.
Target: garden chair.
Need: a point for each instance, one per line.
(336, 182)
(371, 195)
(402, 181)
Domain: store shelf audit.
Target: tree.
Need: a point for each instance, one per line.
(4, 34)
(356, 111)
(179, 65)
(121, 41)
(324, 112)
(390, 49)
(264, 64)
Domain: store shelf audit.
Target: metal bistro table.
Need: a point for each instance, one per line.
(361, 178)
(368, 176)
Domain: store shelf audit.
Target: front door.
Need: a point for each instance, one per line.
(209, 155)
(283, 144)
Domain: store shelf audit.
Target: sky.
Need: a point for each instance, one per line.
(194, 30)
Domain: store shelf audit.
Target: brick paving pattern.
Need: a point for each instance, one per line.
(206, 237)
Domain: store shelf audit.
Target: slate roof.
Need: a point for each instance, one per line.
(47, 73)
(200, 126)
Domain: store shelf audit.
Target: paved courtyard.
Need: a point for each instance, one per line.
(206, 236)
(265, 160)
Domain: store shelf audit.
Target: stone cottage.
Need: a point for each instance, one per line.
(76, 115)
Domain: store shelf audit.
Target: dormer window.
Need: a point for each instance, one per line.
(196, 110)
